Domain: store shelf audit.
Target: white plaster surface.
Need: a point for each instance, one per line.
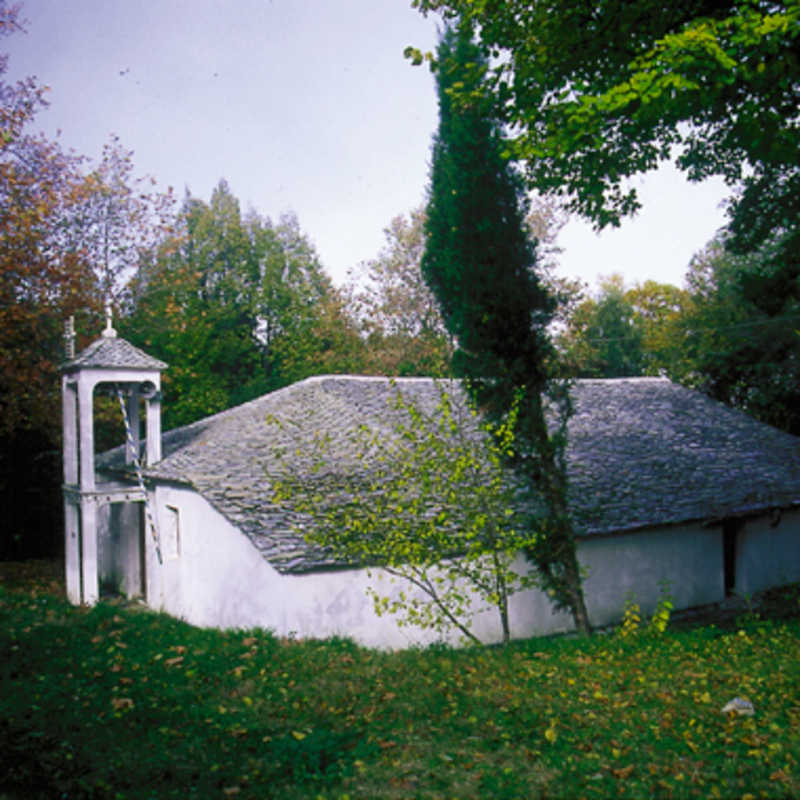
(684, 562)
(768, 552)
(217, 578)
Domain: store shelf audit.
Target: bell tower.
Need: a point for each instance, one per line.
(134, 375)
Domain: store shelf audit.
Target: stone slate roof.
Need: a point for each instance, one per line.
(112, 352)
(642, 452)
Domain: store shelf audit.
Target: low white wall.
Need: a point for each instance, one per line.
(684, 561)
(218, 578)
(768, 552)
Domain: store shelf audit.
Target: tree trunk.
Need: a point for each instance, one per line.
(574, 588)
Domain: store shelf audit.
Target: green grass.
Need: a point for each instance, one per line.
(120, 702)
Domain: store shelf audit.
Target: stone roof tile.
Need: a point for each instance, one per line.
(112, 352)
(642, 452)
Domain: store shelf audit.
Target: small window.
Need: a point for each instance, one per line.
(171, 535)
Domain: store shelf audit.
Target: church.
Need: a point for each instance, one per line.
(667, 489)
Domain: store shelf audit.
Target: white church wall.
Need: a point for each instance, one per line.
(767, 552)
(213, 575)
(683, 561)
(216, 577)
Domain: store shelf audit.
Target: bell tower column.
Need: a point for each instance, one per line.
(119, 365)
(72, 545)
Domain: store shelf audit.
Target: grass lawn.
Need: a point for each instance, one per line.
(117, 701)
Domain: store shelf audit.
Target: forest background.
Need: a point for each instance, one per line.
(239, 304)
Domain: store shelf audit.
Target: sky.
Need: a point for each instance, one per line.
(304, 106)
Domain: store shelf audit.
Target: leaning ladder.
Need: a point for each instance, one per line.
(133, 450)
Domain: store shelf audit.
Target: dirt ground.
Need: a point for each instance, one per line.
(43, 575)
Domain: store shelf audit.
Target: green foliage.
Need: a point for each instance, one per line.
(631, 625)
(426, 500)
(626, 332)
(398, 314)
(233, 305)
(596, 94)
(603, 338)
(720, 335)
(740, 346)
(481, 265)
(120, 702)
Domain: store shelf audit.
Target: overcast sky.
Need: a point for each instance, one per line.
(301, 105)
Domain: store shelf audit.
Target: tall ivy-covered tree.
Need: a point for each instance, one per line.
(480, 264)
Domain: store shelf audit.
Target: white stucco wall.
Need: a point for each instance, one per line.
(768, 552)
(212, 575)
(219, 579)
(119, 561)
(684, 562)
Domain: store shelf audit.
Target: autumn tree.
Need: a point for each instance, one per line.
(481, 265)
(39, 287)
(659, 310)
(113, 218)
(397, 312)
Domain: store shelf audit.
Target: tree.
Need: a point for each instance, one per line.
(658, 310)
(397, 312)
(326, 342)
(598, 93)
(113, 219)
(735, 350)
(236, 305)
(39, 287)
(480, 264)
(625, 332)
(426, 499)
(604, 337)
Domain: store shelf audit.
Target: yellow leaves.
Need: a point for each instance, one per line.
(550, 733)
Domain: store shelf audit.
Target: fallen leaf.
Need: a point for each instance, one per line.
(623, 772)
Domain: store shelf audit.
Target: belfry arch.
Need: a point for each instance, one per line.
(136, 377)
